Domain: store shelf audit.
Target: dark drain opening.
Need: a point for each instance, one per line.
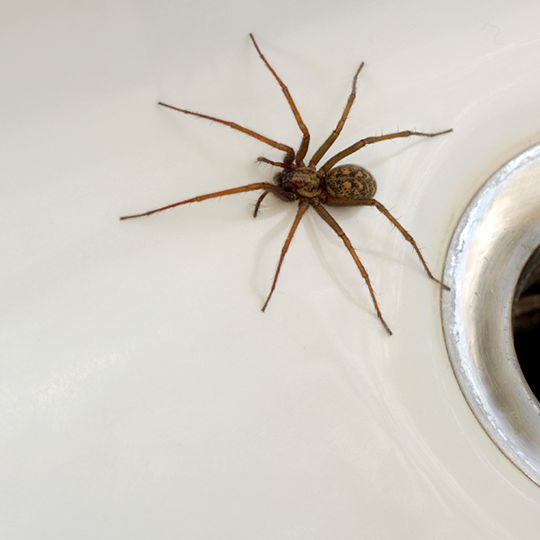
(526, 322)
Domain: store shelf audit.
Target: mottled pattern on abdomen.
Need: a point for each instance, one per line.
(350, 182)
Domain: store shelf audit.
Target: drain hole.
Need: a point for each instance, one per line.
(526, 322)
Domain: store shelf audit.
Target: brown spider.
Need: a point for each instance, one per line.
(345, 185)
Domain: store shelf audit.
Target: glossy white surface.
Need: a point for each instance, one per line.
(142, 392)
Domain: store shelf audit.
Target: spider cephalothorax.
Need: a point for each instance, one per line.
(302, 181)
(331, 184)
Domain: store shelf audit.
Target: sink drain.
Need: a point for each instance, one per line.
(526, 322)
(493, 267)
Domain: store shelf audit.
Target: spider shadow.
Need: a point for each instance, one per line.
(392, 153)
(404, 256)
(314, 232)
(279, 230)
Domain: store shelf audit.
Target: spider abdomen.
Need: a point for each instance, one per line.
(348, 183)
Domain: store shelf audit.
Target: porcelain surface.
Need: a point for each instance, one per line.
(142, 392)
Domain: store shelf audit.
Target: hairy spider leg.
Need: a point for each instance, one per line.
(383, 210)
(301, 153)
(371, 140)
(335, 133)
(276, 190)
(280, 146)
(302, 207)
(321, 210)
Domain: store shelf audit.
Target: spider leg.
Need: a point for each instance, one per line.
(321, 210)
(274, 163)
(258, 203)
(232, 191)
(335, 134)
(371, 140)
(383, 210)
(285, 148)
(302, 207)
(305, 133)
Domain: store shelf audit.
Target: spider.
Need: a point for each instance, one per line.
(309, 186)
